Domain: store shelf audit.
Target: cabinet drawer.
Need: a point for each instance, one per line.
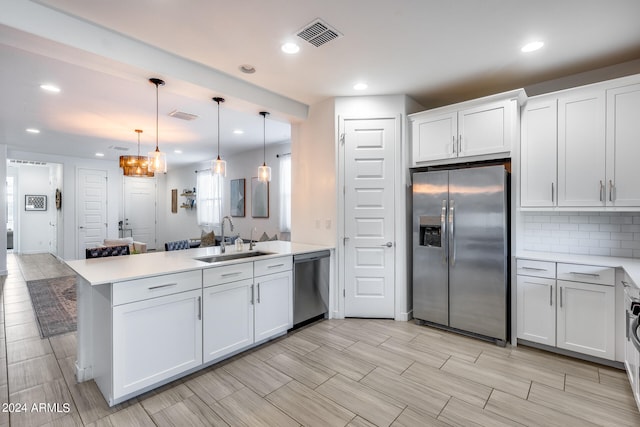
(527, 267)
(228, 273)
(273, 265)
(156, 286)
(587, 273)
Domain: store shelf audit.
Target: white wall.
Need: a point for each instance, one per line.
(32, 233)
(70, 166)
(3, 210)
(183, 225)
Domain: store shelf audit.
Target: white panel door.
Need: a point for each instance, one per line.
(581, 149)
(539, 153)
(586, 318)
(369, 217)
(623, 146)
(92, 209)
(537, 309)
(140, 209)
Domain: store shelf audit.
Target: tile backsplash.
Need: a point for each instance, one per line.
(587, 233)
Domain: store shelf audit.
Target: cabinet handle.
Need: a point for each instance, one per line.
(611, 190)
(552, 193)
(560, 296)
(199, 308)
(453, 142)
(459, 144)
(533, 268)
(153, 288)
(584, 274)
(258, 285)
(235, 273)
(550, 295)
(601, 189)
(275, 266)
(252, 294)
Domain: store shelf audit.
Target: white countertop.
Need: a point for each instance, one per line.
(630, 265)
(99, 271)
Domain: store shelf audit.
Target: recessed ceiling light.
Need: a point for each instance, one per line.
(247, 69)
(290, 48)
(530, 47)
(177, 151)
(50, 88)
(238, 131)
(33, 130)
(99, 154)
(360, 86)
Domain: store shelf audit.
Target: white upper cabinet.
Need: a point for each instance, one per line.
(598, 129)
(581, 148)
(623, 146)
(483, 128)
(539, 183)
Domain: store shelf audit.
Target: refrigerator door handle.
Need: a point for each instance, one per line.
(443, 231)
(452, 235)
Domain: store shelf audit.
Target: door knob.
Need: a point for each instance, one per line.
(388, 244)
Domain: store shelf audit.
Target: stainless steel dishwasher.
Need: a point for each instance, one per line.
(310, 286)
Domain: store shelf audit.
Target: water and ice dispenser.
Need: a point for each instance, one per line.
(430, 231)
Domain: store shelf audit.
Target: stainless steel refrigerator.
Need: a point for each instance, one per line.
(460, 250)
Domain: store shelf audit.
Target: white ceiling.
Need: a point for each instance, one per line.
(102, 53)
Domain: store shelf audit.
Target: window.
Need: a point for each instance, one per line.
(208, 198)
(285, 193)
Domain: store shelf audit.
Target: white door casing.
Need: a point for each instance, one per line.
(92, 209)
(369, 217)
(140, 209)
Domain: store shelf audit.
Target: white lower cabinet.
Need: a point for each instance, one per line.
(537, 309)
(227, 319)
(273, 309)
(155, 339)
(569, 314)
(586, 318)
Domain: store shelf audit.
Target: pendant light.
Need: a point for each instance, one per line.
(219, 166)
(135, 165)
(157, 159)
(264, 171)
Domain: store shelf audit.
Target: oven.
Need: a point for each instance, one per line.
(632, 340)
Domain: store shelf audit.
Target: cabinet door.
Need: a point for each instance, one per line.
(486, 129)
(586, 318)
(273, 309)
(581, 149)
(623, 146)
(227, 318)
(155, 339)
(537, 309)
(433, 137)
(539, 154)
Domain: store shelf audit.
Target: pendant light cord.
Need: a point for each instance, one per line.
(264, 137)
(218, 100)
(157, 116)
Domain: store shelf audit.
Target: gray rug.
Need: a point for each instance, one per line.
(54, 301)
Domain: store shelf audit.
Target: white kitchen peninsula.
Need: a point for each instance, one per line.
(145, 320)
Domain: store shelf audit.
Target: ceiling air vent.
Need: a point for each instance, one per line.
(318, 33)
(115, 147)
(182, 115)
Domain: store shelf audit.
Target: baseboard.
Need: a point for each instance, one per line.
(83, 374)
(405, 317)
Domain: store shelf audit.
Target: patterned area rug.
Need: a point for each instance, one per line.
(54, 301)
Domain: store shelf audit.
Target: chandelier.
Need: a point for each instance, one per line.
(136, 165)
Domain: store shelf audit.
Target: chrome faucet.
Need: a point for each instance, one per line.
(222, 243)
(251, 242)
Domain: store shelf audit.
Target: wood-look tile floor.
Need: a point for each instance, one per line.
(352, 372)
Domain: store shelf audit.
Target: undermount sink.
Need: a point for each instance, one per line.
(228, 257)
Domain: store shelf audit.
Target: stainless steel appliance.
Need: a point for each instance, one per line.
(460, 250)
(311, 286)
(632, 340)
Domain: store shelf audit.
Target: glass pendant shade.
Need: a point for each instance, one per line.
(264, 171)
(157, 159)
(135, 165)
(219, 167)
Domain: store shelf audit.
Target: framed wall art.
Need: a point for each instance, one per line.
(259, 198)
(35, 202)
(237, 199)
